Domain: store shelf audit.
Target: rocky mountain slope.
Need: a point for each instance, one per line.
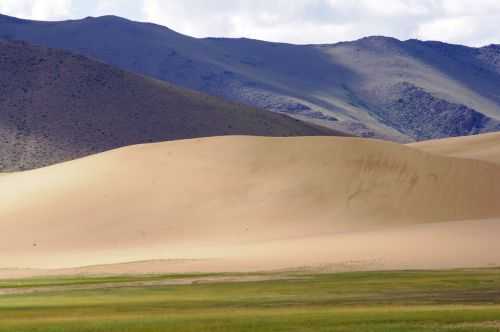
(400, 90)
(56, 106)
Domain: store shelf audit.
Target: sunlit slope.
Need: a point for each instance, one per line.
(170, 199)
(482, 147)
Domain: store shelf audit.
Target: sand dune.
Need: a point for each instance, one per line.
(481, 147)
(240, 203)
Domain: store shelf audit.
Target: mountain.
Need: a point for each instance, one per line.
(254, 203)
(56, 106)
(376, 87)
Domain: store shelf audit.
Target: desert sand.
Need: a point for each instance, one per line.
(242, 203)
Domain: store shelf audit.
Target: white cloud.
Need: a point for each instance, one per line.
(469, 7)
(299, 21)
(472, 22)
(453, 29)
(36, 9)
(468, 30)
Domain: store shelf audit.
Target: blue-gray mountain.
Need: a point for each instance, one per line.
(56, 106)
(376, 86)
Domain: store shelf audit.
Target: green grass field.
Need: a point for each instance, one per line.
(459, 300)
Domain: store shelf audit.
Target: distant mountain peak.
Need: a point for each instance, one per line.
(108, 18)
(378, 38)
(492, 47)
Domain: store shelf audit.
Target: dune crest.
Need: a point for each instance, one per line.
(484, 147)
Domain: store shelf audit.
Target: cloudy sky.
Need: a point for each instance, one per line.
(470, 22)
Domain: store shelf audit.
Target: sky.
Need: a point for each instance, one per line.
(468, 22)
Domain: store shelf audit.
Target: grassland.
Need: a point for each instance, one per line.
(459, 300)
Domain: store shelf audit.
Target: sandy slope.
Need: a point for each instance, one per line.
(240, 203)
(482, 147)
(444, 245)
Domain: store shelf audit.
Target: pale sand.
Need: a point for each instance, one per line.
(481, 147)
(247, 204)
(446, 245)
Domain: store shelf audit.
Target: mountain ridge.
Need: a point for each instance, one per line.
(114, 17)
(344, 86)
